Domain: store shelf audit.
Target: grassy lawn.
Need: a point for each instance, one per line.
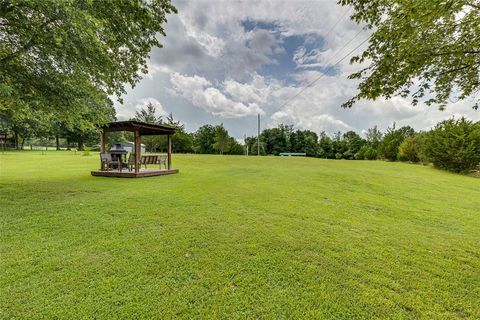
(235, 237)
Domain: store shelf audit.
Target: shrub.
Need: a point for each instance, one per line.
(392, 140)
(86, 151)
(360, 155)
(408, 150)
(454, 145)
(421, 151)
(366, 152)
(371, 154)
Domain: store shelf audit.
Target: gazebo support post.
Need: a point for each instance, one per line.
(102, 142)
(169, 151)
(137, 146)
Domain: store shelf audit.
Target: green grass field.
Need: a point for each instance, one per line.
(235, 237)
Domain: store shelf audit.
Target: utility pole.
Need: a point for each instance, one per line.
(258, 136)
(246, 144)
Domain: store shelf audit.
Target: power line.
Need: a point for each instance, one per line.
(343, 58)
(336, 23)
(332, 66)
(345, 45)
(348, 42)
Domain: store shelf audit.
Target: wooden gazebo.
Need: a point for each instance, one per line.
(139, 129)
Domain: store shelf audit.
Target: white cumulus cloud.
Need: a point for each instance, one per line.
(200, 92)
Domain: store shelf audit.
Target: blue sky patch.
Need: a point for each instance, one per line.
(249, 25)
(286, 66)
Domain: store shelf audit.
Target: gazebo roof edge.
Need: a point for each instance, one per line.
(143, 127)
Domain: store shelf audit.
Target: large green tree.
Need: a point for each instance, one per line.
(374, 137)
(24, 123)
(276, 140)
(222, 139)
(393, 138)
(148, 115)
(204, 139)
(93, 112)
(53, 52)
(304, 141)
(354, 142)
(325, 146)
(182, 140)
(454, 145)
(339, 145)
(426, 49)
(234, 147)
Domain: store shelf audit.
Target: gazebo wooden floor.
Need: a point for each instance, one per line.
(131, 174)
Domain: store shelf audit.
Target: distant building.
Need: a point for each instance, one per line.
(126, 145)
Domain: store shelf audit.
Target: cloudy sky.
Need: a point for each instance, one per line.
(227, 61)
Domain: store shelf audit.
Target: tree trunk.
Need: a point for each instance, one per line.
(17, 146)
(80, 146)
(23, 142)
(57, 142)
(68, 145)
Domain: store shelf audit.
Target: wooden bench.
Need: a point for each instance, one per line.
(293, 154)
(153, 159)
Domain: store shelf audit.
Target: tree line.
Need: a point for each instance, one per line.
(452, 144)
(37, 128)
(28, 125)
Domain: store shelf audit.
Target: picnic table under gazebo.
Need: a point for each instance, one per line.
(132, 168)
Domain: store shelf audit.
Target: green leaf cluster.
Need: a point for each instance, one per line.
(428, 50)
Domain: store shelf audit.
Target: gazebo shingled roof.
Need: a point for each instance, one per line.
(145, 129)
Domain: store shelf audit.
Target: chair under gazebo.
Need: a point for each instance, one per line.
(132, 168)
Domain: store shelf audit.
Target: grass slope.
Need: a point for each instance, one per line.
(236, 237)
